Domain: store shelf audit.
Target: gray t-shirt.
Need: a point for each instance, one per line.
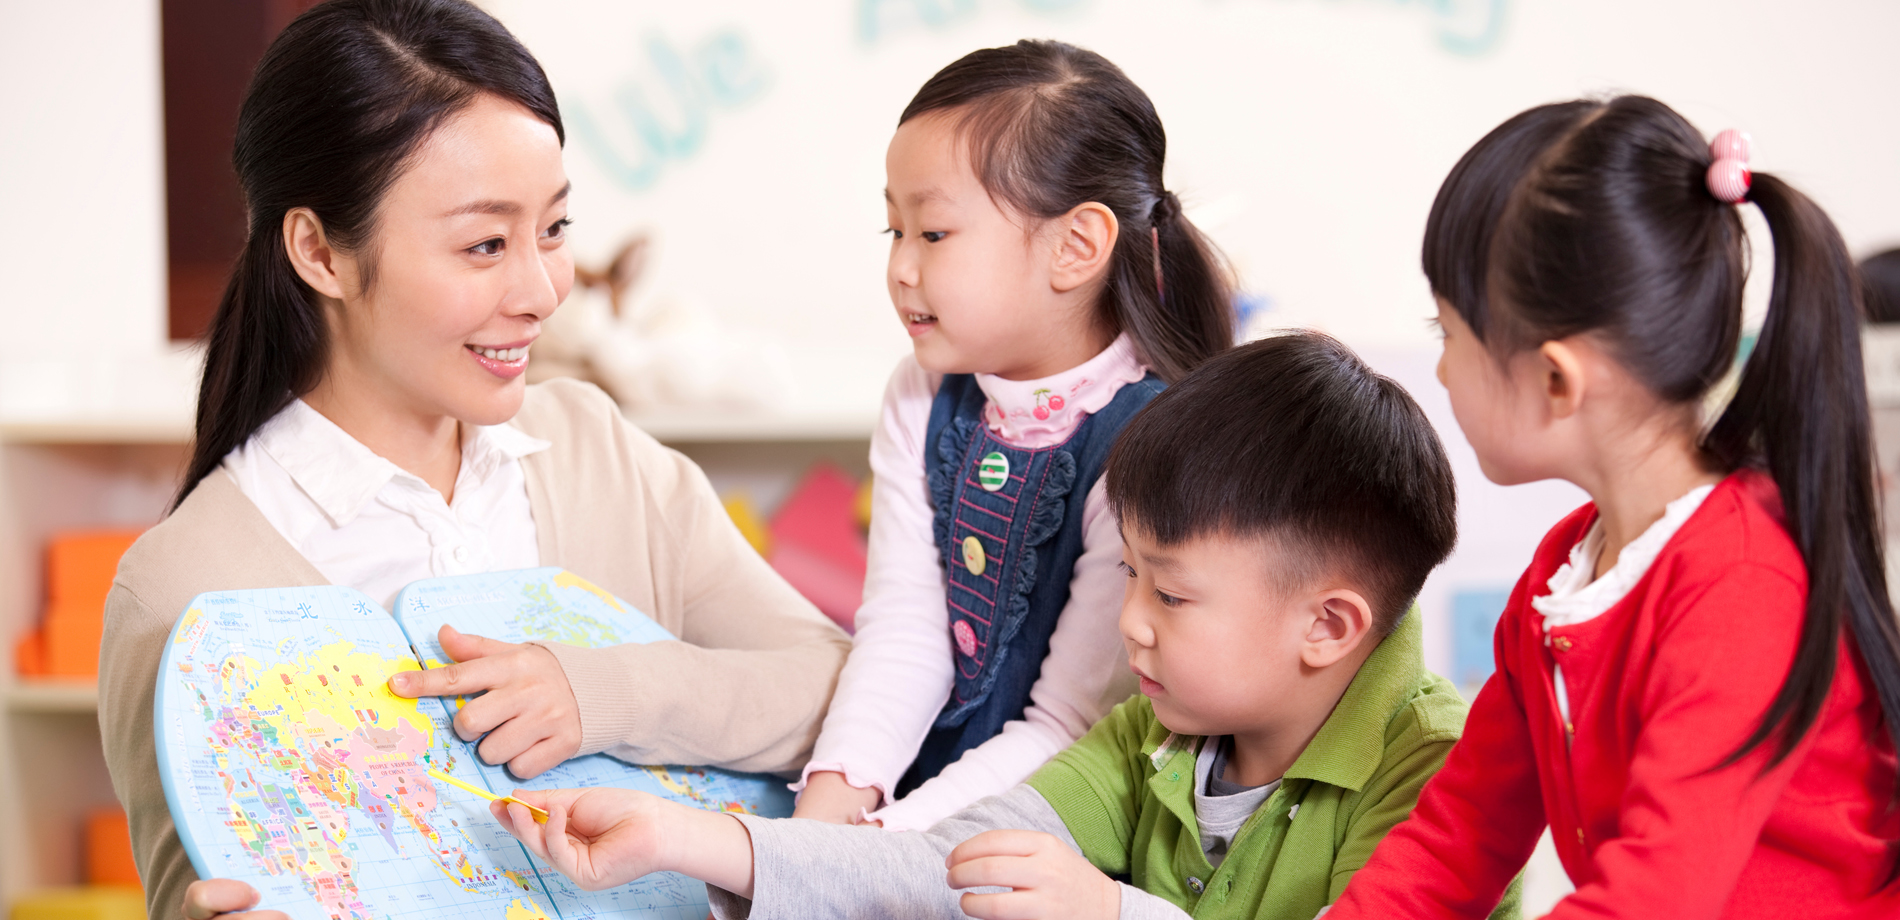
(1221, 807)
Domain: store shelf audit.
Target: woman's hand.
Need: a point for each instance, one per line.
(226, 897)
(527, 709)
(602, 837)
(1048, 879)
(828, 797)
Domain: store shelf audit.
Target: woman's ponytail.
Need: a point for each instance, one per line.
(265, 346)
(1051, 126)
(1801, 406)
(338, 103)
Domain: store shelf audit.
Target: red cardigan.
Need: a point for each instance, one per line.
(1662, 687)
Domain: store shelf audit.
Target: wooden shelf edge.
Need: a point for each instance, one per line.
(44, 695)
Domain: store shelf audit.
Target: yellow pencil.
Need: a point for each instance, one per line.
(540, 817)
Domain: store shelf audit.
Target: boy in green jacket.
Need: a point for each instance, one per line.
(1280, 509)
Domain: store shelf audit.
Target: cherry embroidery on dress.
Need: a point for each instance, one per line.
(966, 638)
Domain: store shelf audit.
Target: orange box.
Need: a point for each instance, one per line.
(80, 566)
(109, 849)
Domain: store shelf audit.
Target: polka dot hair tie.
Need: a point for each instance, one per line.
(1729, 176)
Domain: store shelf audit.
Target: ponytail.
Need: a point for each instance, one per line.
(340, 100)
(1186, 315)
(1050, 126)
(266, 345)
(1801, 405)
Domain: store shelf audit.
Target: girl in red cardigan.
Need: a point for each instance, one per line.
(1698, 681)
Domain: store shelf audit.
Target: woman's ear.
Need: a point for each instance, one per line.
(311, 254)
(1341, 622)
(1085, 247)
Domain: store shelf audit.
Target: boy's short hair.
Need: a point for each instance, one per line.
(1293, 438)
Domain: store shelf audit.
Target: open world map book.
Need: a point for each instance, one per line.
(288, 764)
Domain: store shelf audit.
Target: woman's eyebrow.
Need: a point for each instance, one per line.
(504, 208)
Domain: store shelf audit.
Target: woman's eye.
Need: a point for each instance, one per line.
(487, 247)
(931, 236)
(558, 229)
(895, 233)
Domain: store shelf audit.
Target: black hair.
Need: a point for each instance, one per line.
(1880, 286)
(1595, 217)
(1051, 126)
(1294, 438)
(338, 104)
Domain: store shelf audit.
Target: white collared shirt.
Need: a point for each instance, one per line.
(366, 523)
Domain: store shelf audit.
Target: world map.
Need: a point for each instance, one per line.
(289, 765)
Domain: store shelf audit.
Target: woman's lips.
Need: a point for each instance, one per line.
(506, 361)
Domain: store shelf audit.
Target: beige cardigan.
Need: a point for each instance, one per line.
(747, 687)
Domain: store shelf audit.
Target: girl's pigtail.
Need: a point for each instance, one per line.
(1802, 405)
(1175, 297)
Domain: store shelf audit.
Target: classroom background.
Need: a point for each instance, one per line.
(727, 160)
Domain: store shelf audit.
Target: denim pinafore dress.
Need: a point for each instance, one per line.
(1009, 527)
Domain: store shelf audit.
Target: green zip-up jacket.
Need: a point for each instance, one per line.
(1126, 793)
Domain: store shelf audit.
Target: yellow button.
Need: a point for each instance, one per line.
(973, 558)
(1580, 835)
(1570, 728)
(1563, 643)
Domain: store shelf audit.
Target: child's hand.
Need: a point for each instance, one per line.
(1049, 879)
(598, 837)
(605, 837)
(827, 797)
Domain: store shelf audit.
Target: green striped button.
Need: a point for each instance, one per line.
(993, 472)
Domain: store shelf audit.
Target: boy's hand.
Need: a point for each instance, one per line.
(224, 897)
(827, 797)
(603, 837)
(598, 837)
(1049, 879)
(528, 709)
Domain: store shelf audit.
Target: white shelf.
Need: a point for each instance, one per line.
(48, 695)
(666, 426)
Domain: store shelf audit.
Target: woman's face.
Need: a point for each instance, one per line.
(470, 255)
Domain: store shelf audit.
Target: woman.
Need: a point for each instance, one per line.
(363, 421)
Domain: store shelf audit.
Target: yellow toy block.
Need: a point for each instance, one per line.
(95, 902)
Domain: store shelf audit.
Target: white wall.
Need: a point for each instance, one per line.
(82, 212)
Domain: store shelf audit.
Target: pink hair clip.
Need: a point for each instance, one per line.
(1728, 176)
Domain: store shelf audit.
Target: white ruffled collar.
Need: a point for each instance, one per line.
(1574, 598)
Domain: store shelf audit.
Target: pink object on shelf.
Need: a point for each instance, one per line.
(817, 545)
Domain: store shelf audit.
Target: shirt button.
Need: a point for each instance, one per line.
(1563, 643)
(1194, 885)
(1580, 835)
(461, 554)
